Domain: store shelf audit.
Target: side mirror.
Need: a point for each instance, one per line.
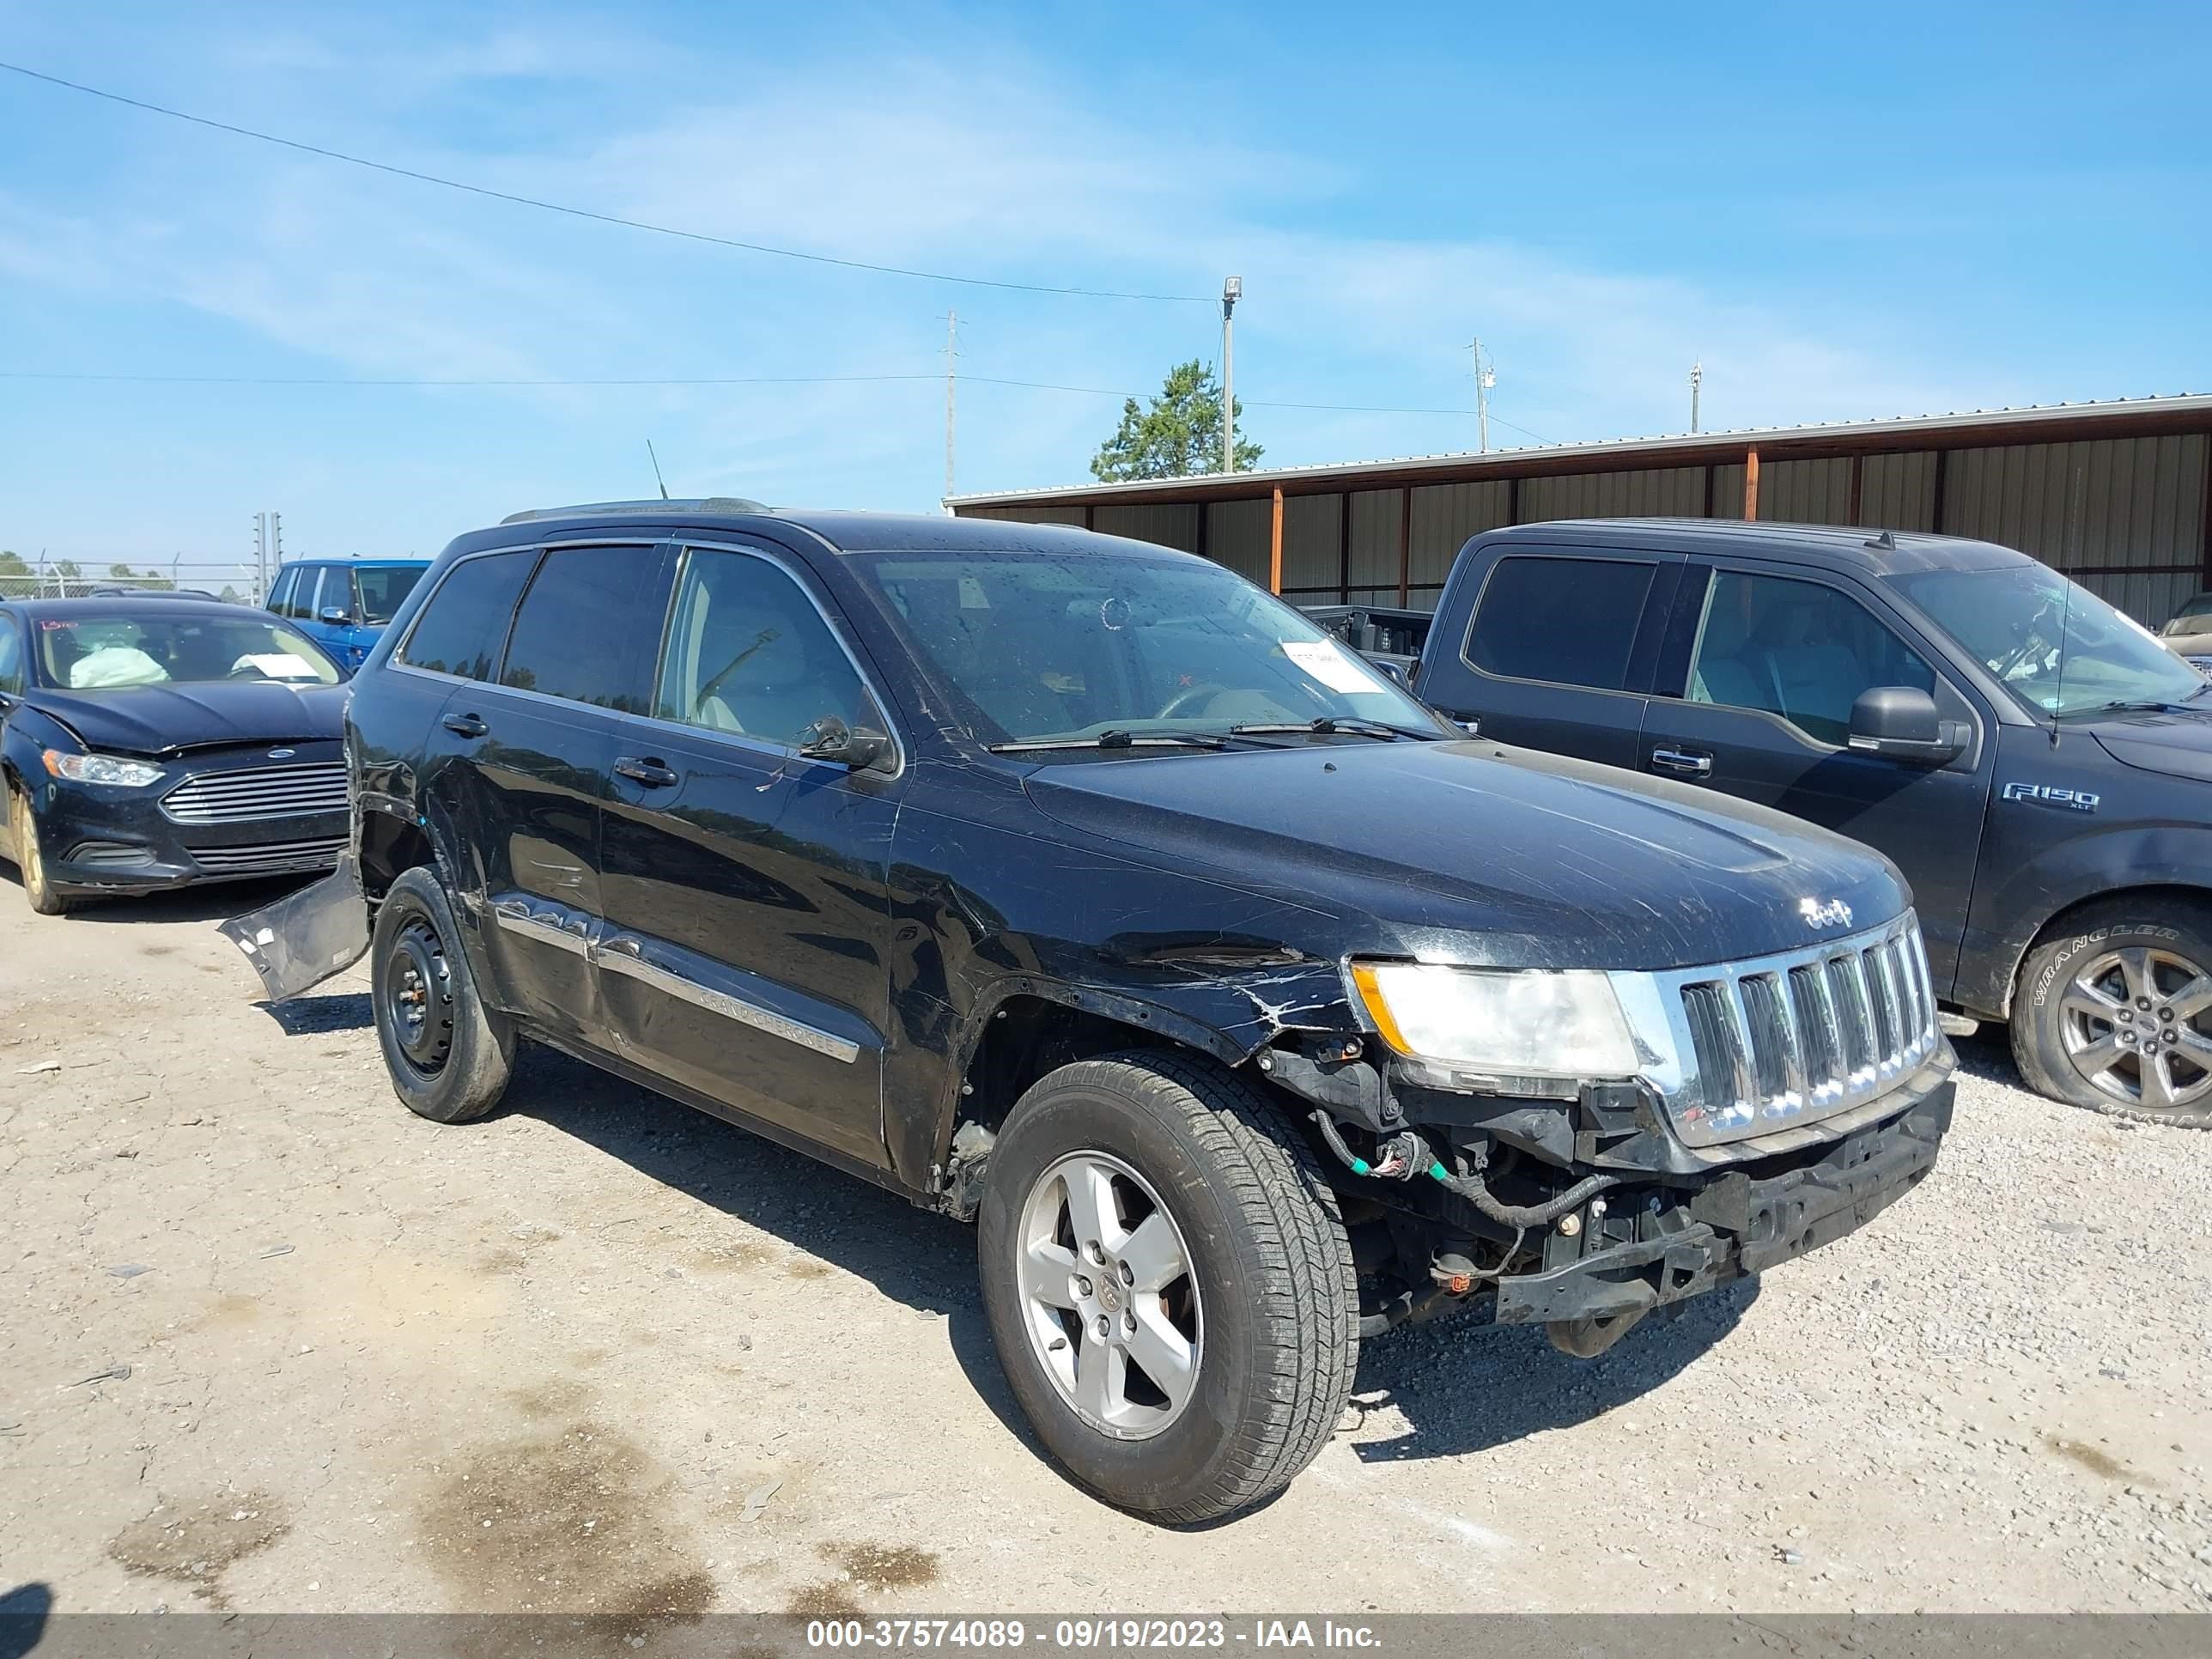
(336, 616)
(1394, 671)
(830, 740)
(1899, 722)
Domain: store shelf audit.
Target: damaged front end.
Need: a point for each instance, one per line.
(306, 937)
(1725, 1119)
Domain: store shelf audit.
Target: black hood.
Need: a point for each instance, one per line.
(159, 720)
(1480, 852)
(2178, 742)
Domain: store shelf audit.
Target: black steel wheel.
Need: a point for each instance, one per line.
(449, 1055)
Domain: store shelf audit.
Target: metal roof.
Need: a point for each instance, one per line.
(2112, 417)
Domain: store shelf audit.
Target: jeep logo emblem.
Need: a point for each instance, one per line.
(1834, 914)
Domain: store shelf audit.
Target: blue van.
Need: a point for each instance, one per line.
(343, 604)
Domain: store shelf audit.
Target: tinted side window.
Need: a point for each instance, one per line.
(317, 590)
(1571, 621)
(1798, 650)
(280, 594)
(747, 653)
(460, 630)
(571, 638)
(11, 656)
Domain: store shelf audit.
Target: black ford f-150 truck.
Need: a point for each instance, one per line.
(1079, 887)
(2036, 763)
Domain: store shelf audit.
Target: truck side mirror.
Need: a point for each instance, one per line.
(1899, 722)
(1392, 672)
(830, 740)
(336, 616)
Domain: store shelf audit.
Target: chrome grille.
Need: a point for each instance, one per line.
(258, 792)
(1794, 1038)
(271, 857)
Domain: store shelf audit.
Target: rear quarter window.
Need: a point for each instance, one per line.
(462, 627)
(1569, 622)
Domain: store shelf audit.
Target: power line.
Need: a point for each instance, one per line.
(586, 213)
(695, 381)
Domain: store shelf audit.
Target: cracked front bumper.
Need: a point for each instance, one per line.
(1737, 1224)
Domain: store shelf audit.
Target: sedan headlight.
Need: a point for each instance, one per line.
(1504, 1024)
(102, 769)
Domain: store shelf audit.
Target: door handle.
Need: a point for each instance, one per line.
(649, 772)
(469, 726)
(1678, 760)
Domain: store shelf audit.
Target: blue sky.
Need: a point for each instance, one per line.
(1845, 211)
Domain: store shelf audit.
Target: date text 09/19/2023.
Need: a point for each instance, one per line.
(1089, 1635)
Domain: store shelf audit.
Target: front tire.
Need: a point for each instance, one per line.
(1168, 1284)
(449, 1055)
(30, 862)
(2114, 1013)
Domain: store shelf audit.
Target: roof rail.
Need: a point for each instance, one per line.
(697, 504)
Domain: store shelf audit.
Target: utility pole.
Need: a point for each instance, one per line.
(275, 543)
(1232, 290)
(1697, 378)
(952, 351)
(1485, 378)
(260, 558)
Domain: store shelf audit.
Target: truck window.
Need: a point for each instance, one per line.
(569, 640)
(747, 654)
(1571, 621)
(1798, 650)
(460, 630)
(11, 658)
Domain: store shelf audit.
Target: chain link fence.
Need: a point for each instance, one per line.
(22, 578)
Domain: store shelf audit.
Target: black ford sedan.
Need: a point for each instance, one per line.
(150, 742)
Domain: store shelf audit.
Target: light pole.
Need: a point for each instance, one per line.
(1697, 379)
(1232, 290)
(1485, 378)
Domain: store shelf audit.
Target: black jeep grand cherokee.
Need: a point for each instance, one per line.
(1080, 886)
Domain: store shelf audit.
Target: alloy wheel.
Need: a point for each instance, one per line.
(1109, 1299)
(2134, 1025)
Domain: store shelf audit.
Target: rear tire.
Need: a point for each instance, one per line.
(1246, 1300)
(449, 1055)
(30, 862)
(2114, 1013)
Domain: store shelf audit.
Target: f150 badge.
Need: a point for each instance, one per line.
(1834, 914)
(2080, 799)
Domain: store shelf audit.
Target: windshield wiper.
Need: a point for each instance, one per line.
(1330, 726)
(2138, 706)
(1116, 739)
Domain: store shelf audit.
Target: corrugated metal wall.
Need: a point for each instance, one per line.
(1676, 492)
(2125, 514)
(1802, 492)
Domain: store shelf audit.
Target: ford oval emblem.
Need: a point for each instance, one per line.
(282, 754)
(1834, 914)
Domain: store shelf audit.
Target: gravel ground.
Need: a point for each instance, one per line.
(602, 1353)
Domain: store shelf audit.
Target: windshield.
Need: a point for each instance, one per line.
(99, 652)
(1068, 646)
(2057, 647)
(382, 588)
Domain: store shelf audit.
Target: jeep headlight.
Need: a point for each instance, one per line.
(1501, 1025)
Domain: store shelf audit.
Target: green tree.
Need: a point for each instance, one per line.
(15, 577)
(151, 578)
(1178, 435)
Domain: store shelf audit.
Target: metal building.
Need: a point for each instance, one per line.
(2116, 494)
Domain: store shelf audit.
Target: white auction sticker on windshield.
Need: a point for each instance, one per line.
(1326, 662)
(276, 665)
